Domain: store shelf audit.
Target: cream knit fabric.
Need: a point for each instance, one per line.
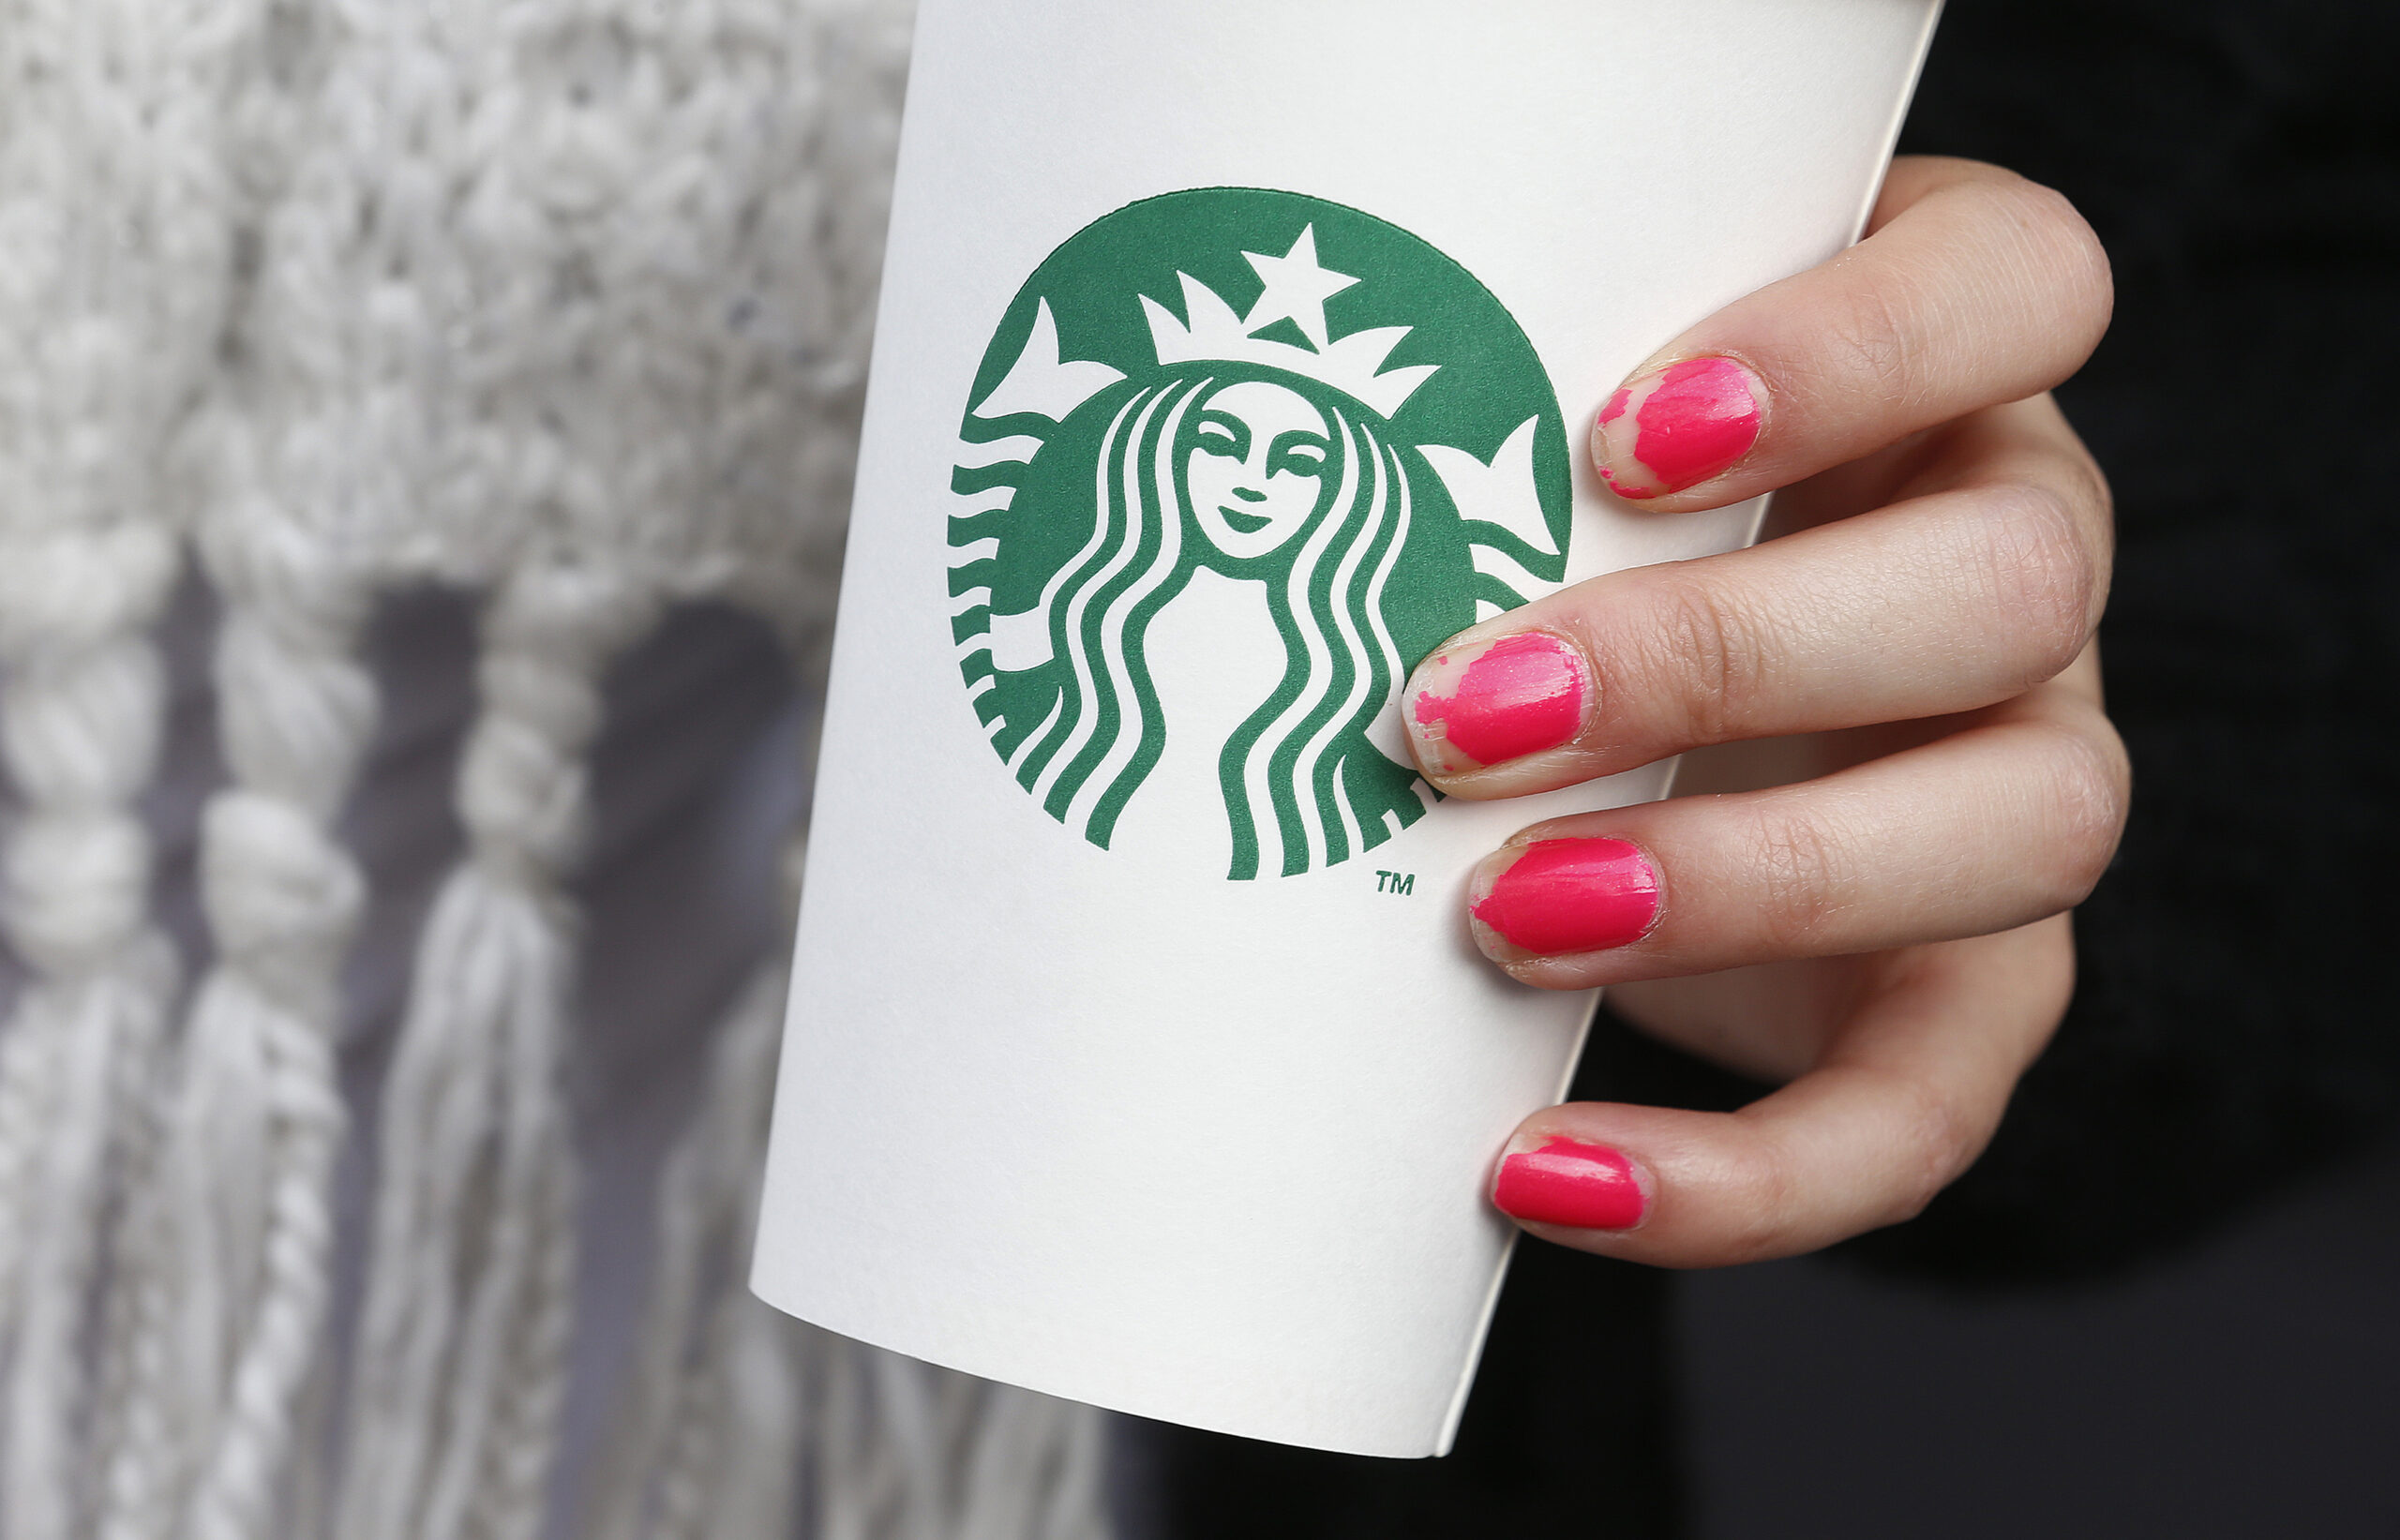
(565, 302)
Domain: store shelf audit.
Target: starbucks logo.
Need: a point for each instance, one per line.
(1234, 462)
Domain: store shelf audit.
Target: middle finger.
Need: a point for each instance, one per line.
(1986, 583)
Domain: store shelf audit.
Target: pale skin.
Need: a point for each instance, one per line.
(1904, 776)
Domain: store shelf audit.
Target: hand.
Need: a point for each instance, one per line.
(1905, 668)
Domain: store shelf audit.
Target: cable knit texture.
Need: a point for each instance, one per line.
(562, 301)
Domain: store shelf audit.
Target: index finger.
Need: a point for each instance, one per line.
(1976, 287)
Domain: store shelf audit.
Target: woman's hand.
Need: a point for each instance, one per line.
(1908, 668)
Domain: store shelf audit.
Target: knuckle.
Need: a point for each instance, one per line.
(2083, 488)
(1803, 879)
(2089, 791)
(2077, 244)
(2044, 210)
(1872, 342)
(2064, 253)
(1937, 1141)
(1763, 1201)
(2091, 491)
(1690, 679)
(2042, 573)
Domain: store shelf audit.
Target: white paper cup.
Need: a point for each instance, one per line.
(1137, 1053)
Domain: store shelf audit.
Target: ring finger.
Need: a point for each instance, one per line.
(2007, 820)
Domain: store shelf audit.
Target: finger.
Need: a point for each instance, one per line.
(1988, 582)
(1903, 1102)
(2009, 820)
(1976, 286)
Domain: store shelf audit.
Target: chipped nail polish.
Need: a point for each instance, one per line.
(1568, 1182)
(1560, 897)
(1677, 426)
(1487, 702)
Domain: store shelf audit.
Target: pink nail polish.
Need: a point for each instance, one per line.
(1676, 428)
(1564, 896)
(1487, 702)
(1568, 1182)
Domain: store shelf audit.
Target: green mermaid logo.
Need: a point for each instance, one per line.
(1235, 461)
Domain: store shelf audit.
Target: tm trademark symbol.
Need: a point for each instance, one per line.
(1404, 884)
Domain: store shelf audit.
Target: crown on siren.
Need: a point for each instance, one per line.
(1297, 288)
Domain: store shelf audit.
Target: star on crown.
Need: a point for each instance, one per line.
(1297, 288)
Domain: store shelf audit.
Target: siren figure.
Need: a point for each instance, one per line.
(1255, 457)
(1296, 493)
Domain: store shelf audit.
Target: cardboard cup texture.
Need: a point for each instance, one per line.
(1231, 357)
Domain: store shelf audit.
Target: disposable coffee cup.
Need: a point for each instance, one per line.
(1230, 358)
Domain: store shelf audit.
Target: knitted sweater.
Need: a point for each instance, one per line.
(561, 305)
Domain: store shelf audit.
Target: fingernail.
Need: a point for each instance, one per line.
(1491, 701)
(1677, 426)
(1562, 896)
(1568, 1182)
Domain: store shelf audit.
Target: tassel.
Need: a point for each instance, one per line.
(461, 1367)
(259, 1117)
(79, 724)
